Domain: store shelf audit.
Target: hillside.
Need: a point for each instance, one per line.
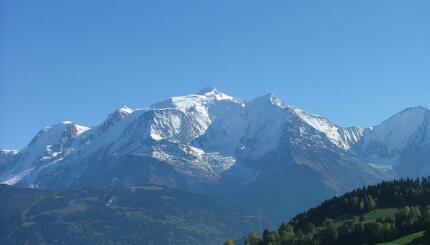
(395, 212)
(117, 215)
(417, 238)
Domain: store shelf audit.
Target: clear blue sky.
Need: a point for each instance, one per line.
(355, 62)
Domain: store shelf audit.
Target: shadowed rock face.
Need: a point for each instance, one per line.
(7, 157)
(118, 215)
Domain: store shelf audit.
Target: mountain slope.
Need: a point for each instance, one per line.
(117, 215)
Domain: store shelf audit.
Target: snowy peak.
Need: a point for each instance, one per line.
(395, 132)
(115, 117)
(52, 142)
(278, 111)
(203, 98)
(57, 132)
(208, 89)
(276, 101)
(120, 113)
(214, 94)
(79, 129)
(402, 142)
(8, 152)
(342, 137)
(197, 112)
(266, 101)
(125, 110)
(6, 158)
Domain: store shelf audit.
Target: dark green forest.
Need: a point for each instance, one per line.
(369, 215)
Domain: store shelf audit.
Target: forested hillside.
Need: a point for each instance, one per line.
(117, 215)
(370, 215)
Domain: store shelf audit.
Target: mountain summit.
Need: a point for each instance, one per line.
(214, 143)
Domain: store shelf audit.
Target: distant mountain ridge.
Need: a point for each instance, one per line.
(211, 142)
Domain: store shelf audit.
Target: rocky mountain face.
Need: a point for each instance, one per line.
(6, 158)
(256, 153)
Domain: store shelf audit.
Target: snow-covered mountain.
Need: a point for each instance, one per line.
(50, 145)
(342, 137)
(211, 142)
(400, 143)
(161, 134)
(7, 157)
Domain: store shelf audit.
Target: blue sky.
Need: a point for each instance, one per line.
(355, 62)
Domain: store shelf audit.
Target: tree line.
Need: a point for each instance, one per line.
(317, 227)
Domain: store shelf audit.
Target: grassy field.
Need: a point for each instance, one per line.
(412, 239)
(380, 213)
(369, 217)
